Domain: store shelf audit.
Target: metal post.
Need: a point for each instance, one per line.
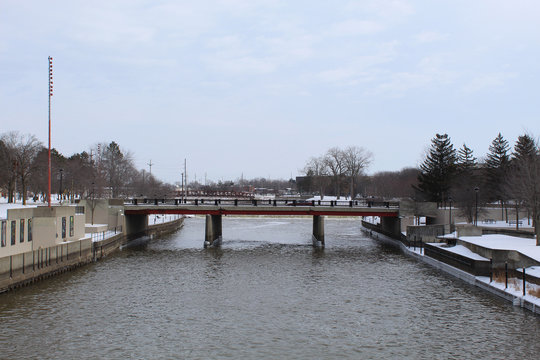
(476, 189)
(49, 152)
(490, 270)
(524, 283)
(450, 220)
(61, 180)
(506, 275)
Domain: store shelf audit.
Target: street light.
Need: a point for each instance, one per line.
(61, 178)
(476, 189)
(450, 220)
(93, 201)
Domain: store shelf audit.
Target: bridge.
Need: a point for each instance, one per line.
(214, 209)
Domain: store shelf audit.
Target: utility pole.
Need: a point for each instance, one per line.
(49, 153)
(185, 175)
(183, 196)
(150, 176)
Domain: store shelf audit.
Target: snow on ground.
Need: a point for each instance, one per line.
(329, 198)
(460, 250)
(4, 207)
(533, 271)
(506, 242)
(503, 224)
(160, 219)
(515, 288)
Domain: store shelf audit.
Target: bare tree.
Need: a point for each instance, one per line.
(9, 162)
(356, 160)
(7, 175)
(24, 149)
(318, 172)
(334, 160)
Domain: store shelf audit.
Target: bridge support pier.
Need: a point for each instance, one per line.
(391, 225)
(213, 231)
(318, 231)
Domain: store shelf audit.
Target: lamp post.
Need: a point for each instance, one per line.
(61, 178)
(183, 197)
(450, 219)
(476, 189)
(93, 201)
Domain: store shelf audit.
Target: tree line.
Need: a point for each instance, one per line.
(506, 176)
(103, 171)
(336, 172)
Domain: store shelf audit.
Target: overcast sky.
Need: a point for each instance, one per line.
(257, 87)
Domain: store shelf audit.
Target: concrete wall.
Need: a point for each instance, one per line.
(426, 233)
(499, 257)
(104, 211)
(391, 225)
(19, 269)
(45, 228)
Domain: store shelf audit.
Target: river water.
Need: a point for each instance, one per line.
(266, 294)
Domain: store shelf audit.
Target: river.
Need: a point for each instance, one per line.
(266, 294)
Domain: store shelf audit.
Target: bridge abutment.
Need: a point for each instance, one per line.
(213, 231)
(135, 225)
(391, 225)
(318, 230)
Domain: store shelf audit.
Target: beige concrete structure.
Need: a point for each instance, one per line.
(104, 211)
(55, 225)
(39, 241)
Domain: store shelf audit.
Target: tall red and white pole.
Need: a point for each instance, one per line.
(50, 94)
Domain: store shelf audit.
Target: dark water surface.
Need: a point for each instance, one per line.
(266, 294)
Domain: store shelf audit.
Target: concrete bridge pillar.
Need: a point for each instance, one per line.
(213, 231)
(391, 225)
(318, 230)
(135, 225)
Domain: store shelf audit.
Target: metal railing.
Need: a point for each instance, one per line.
(102, 235)
(258, 202)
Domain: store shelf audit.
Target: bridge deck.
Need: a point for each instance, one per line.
(184, 209)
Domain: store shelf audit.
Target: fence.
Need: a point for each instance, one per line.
(102, 235)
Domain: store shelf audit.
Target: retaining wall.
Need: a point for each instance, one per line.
(24, 268)
(465, 276)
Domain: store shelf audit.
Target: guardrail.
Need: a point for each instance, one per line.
(102, 235)
(255, 202)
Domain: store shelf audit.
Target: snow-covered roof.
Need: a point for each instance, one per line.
(506, 242)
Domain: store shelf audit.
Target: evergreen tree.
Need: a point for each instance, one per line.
(465, 182)
(497, 164)
(438, 169)
(525, 148)
(523, 181)
(466, 162)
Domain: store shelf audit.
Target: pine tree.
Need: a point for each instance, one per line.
(523, 181)
(497, 165)
(525, 148)
(466, 180)
(465, 159)
(438, 169)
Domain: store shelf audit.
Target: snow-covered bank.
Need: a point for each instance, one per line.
(161, 219)
(513, 294)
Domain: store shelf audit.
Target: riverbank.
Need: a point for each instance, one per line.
(512, 293)
(35, 252)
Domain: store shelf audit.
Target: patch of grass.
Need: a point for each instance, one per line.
(534, 292)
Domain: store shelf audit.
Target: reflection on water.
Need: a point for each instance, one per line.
(267, 293)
